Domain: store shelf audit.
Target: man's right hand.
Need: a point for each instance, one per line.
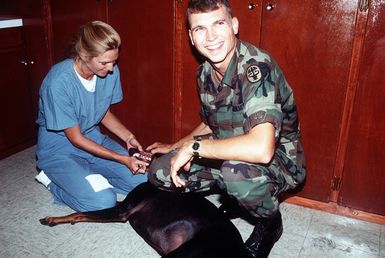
(158, 147)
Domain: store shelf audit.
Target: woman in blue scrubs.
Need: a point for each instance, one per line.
(82, 167)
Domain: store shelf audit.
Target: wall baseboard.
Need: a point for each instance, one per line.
(334, 208)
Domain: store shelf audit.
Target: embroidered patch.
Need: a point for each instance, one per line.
(260, 116)
(253, 73)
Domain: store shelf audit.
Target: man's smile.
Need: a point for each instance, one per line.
(215, 46)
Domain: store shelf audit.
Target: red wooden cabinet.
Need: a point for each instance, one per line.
(363, 179)
(25, 60)
(18, 126)
(146, 67)
(312, 41)
(67, 16)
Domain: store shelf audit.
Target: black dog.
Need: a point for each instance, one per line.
(174, 224)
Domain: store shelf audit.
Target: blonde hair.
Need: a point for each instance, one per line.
(94, 38)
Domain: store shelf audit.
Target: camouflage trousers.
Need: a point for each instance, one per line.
(256, 187)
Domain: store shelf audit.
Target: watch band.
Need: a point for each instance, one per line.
(196, 147)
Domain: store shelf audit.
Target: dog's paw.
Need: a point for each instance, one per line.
(48, 221)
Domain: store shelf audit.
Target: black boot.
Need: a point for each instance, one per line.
(230, 208)
(266, 232)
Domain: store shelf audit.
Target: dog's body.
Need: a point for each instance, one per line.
(174, 224)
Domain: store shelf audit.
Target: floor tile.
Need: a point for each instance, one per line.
(296, 219)
(327, 247)
(14, 167)
(342, 233)
(382, 242)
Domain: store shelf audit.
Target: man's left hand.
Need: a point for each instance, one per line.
(182, 159)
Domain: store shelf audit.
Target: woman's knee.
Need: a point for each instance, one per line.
(127, 183)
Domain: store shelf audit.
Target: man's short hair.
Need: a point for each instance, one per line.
(203, 6)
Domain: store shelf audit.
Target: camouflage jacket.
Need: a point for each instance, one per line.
(252, 91)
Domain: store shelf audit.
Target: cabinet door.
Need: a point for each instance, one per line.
(146, 67)
(249, 16)
(363, 178)
(312, 42)
(37, 50)
(67, 16)
(27, 44)
(18, 126)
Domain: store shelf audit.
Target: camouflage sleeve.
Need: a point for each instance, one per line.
(202, 115)
(259, 94)
(200, 86)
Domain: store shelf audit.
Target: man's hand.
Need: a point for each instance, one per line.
(183, 158)
(159, 147)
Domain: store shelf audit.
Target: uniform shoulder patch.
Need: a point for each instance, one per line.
(253, 73)
(260, 116)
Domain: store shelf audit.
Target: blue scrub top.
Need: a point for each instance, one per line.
(64, 102)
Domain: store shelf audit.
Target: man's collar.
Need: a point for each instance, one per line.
(231, 71)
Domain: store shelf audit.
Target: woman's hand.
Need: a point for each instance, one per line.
(133, 143)
(136, 166)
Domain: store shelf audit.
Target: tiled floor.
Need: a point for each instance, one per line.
(307, 233)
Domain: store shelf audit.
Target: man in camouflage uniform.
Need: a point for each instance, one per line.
(249, 126)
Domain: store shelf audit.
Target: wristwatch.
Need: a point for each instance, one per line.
(196, 147)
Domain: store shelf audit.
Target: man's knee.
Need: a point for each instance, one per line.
(251, 186)
(235, 171)
(159, 170)
(236, 183)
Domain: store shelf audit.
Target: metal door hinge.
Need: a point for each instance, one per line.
(335, 183)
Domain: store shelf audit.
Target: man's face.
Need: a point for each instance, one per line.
(214, 36)
(104, 63)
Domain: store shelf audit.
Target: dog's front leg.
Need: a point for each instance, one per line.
(114, 214)
(72, 218)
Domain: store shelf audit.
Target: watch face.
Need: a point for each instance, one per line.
(196, 146)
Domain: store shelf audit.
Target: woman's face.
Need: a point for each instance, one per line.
(103, 63)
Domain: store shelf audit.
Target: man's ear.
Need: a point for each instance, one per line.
(191, 38)
(235, 25)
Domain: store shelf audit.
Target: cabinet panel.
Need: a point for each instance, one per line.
(146, 67)
(11, 37)
(35, 24)
(189, 60)
(67, 16)
(312, 42)
(18, 125)
(363, 177)
(22, 80)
